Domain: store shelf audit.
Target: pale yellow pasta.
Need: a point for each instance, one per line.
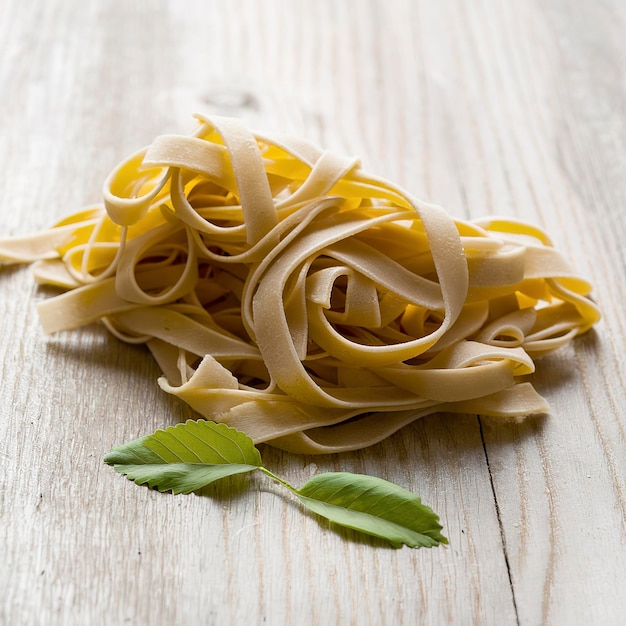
(290, 294)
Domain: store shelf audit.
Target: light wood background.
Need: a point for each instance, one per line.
(489, 106)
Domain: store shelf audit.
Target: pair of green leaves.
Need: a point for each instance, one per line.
(189, 456)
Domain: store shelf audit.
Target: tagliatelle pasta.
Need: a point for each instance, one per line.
(290, 294)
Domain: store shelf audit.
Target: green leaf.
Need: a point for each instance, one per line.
(373, 506)
(185, 457)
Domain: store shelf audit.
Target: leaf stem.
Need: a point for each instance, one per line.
(278, 479)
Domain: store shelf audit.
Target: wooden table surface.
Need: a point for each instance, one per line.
(485, 107)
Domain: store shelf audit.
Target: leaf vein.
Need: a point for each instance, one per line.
(184, 445)
(233, 441)
(206, 443)
(358, 497)
(376, 502)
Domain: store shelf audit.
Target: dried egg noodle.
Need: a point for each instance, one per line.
(288, 293)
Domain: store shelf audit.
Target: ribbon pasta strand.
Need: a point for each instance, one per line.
(286, 292)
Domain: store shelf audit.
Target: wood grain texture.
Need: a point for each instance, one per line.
(484, 107)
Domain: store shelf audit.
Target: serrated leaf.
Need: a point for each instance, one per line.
(373, 506)
(185, 457)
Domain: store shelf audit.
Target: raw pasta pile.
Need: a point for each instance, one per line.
(290, 294)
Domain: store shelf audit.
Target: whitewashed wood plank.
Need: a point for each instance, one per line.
(560, 482)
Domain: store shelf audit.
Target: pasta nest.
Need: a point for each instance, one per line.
(288, 293)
